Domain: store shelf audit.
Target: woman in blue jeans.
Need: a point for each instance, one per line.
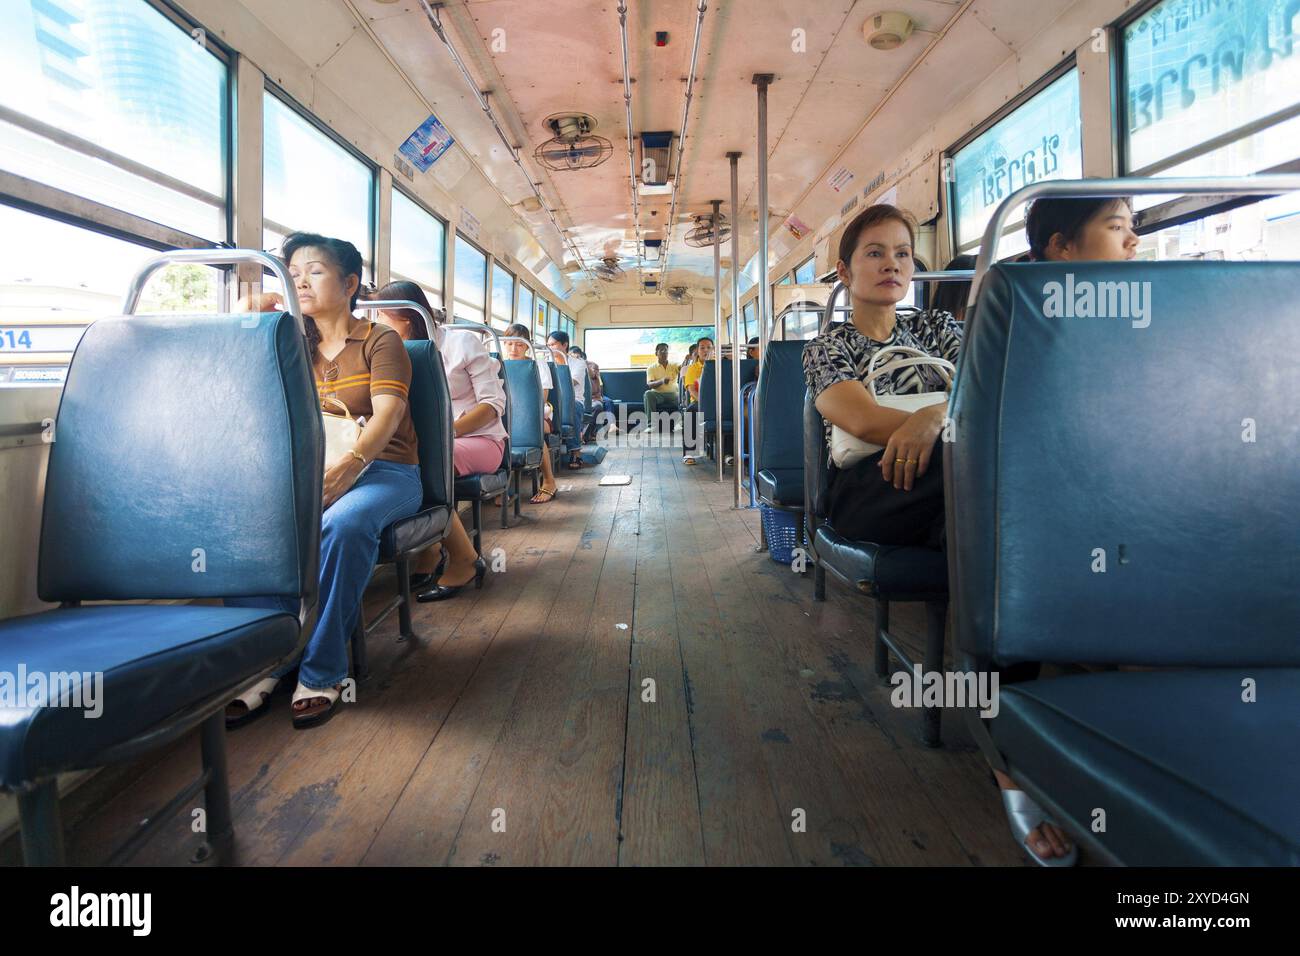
(364, 366)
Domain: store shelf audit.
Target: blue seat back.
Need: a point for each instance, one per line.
(748, 372)
(187, 463)
(431, 413)
(779, 401)
(564, 386)
(626, 386)
(816, 464)
(1128, 438)
(524, 385)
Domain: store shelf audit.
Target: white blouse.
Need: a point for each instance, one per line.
(471, 377)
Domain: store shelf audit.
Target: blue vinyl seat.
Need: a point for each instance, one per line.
(1160, 530)
(145, 501)
(526, 433)
(886, 573)
(708, 402)
(625, 387)
(430, 404)
(778, 458)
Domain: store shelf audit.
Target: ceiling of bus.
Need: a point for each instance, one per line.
(565, 55)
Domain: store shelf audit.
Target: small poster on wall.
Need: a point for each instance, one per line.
(797, 227)
(426, 145)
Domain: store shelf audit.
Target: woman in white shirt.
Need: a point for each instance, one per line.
(478, 400)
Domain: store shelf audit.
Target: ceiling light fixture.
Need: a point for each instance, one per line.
(887, 31)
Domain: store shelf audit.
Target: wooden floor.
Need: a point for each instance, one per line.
(634, 686)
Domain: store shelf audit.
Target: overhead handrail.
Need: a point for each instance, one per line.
(214, 257)
(519, 338)
(1271, 184)
(377, 305)
(470, 325)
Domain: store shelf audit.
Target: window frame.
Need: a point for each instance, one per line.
(441, 221)
(372, 216)
(1070, 62)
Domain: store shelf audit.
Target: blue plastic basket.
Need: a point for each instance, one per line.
(782, 531)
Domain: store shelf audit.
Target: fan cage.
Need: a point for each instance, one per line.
(585, 152)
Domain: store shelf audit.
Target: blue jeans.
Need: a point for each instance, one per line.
(349, 545)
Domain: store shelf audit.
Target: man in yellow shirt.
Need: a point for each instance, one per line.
(661, 383)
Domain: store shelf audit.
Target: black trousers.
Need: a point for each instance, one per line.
(865, 507)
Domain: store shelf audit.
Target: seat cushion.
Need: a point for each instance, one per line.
(885, 571)
(1188, 773)
(781, 486)
(413, 533)
(525, 457)
(156, 660)
(486, 485)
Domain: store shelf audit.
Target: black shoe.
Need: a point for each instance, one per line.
(421, 581)
(442, 592)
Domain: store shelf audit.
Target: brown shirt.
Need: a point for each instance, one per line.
(373, 361)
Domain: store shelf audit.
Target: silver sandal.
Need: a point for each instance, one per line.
(1024, 816)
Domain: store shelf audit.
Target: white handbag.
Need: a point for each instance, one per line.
(342, 432)
(847, 451)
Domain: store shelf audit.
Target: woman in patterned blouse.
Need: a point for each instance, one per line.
(896, 495)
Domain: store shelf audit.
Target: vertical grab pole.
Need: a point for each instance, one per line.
(762, 81)
(717, 320)
(734, 158)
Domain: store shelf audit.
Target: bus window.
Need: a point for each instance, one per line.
(60, 278)
(311, 183)
(100, 91)
(418, 246)
(635, 348)
(471, 281)
(1039, 140)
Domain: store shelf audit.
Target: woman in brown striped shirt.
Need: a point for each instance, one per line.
(364, 365)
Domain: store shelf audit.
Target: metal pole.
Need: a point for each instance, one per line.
(734, 159)
(717, 325)
(762, 81)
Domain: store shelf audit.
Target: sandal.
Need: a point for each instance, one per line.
(1024, 816)
(541, 497)
(304, 717)
(253, 701)
(688, 460)
(575, 464)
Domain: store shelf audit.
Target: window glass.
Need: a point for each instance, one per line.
(525, 305)
(327, 190)
(635, 348)
(120, 76)
(1264, 230)
(55, 279)
(749, 311)
(418, 251)
(786, 279)
(503, 297)
(1041, 140)
(1197, 70)
(804, 275)
(471, 281)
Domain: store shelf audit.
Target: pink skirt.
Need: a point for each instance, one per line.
(475, 454)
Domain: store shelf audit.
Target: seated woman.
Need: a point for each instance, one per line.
(518, 350)
(603, 403)
(951, 297)
(477, 401)
(364, 366)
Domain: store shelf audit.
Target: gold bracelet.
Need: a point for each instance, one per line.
(357, 455)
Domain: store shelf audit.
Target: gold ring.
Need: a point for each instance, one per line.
(912, 461)
(897, 460)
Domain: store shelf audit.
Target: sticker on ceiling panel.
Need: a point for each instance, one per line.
(841, 179)
(798, 228)
(426, 145)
